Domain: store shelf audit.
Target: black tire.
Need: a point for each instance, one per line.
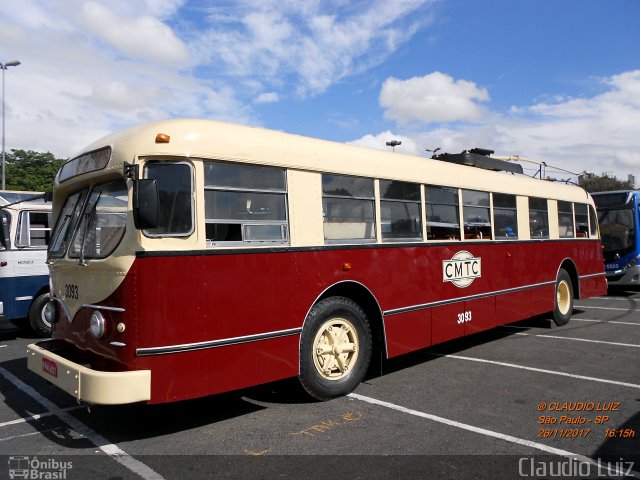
(39, 324)
(563, 299)
(338, 324)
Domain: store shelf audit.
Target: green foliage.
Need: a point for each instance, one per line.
(604, 184)
(29, 170)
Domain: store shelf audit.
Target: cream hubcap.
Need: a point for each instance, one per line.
(335, 348)
(563, 297)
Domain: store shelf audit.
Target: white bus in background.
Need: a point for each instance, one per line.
(24, 276)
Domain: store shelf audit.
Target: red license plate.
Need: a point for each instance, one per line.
(49, 366)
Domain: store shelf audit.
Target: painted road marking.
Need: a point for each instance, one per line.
(579, 339)
(482, 431)
(113, 451)
(38, 416)
(540, 370)
(588, 307)
(604, 321)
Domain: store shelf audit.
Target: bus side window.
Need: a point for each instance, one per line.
(565, 220)
(476, 212)
(245, 203)
(33, 229)
(582, 220)
(593, 222)
(538, 218)
(348, 208)
(505, 216)
(443, 216)
(175, 198)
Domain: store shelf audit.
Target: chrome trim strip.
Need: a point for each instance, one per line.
(439, 303)
(100, 307)
(118, 344)
(188, 347)
(603, 274)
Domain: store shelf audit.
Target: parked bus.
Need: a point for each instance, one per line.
(192, 257)
(25, 219)
(620, 230)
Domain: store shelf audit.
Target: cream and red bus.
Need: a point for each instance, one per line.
(192, 257)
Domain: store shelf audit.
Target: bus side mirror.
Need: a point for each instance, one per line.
(145, 203)
(4, 231)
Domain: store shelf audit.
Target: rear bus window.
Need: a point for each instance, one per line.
(348, 208)
(245, 203)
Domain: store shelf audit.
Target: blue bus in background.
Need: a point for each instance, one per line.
(620, 233)
(25, 228)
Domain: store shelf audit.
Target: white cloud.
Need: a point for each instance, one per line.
(596, 133)
(435, 97)
(142, 36)
(308, 44)
(270, 97)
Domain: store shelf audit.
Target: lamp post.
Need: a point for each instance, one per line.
(393, 144)
(4, 66)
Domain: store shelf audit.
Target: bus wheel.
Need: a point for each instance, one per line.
(563, 299)
(38, 322)
(335, 348)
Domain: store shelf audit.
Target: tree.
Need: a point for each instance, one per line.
(30, 170)
(603, 184)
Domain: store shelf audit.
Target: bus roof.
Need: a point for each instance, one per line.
(208, 139)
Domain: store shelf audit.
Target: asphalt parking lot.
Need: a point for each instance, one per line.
(523, 401)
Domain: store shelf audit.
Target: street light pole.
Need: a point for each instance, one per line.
(4, 66)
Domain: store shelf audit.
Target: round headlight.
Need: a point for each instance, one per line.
(49, 312)
(98, 325)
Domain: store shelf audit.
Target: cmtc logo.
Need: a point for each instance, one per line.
(462, 269)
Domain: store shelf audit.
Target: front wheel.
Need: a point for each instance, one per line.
(563, 299)
(335, 348)
(39, 324)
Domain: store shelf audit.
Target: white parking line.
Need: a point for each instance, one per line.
(483, 431)
(541, 370)
(578, 339)
(604, 321)
(38, 416)
(113, 451)
(588, 307)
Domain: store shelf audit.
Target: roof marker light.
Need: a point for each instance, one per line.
(162, 138)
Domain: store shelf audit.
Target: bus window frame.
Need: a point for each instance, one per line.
(158, 161)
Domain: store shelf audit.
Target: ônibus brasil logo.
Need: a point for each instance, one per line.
(462, 269)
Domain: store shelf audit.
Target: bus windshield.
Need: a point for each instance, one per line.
(617, 228)
(96, 226)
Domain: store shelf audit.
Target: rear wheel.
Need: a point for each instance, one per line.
(39, 324)
(563, 298)
(335, 348)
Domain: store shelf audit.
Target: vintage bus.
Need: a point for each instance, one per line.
(25, 219)
(192, 257)
(620, 227)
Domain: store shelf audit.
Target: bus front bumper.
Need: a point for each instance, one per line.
(631, 276)
(84, 383)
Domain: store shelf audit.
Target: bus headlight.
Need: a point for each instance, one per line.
(98, 325)
(49, 312)
(631, 263)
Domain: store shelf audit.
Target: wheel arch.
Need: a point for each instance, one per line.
(570, 267)
(360, 294)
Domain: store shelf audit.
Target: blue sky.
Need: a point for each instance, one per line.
(555, 81)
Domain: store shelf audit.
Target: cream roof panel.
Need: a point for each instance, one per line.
(216, 140)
